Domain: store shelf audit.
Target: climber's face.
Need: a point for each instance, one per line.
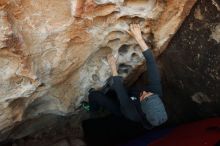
(145, 94)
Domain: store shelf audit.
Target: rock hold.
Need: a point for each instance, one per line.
(52, 52)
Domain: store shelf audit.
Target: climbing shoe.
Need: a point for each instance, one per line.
(85, 106)
(91, 90)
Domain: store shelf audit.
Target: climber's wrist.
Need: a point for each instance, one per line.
(142, 44)
(114, 72)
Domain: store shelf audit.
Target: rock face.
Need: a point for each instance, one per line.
(53, 51)
(190, 66)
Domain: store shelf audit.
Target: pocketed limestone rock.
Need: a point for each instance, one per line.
(52, 51)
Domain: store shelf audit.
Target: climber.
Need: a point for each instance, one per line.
(141, 105)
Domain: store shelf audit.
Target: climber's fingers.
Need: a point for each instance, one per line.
(132, 29)
(135, 28)
(129, 32)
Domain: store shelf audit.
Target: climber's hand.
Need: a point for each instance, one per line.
(135, 31)
(112, 62)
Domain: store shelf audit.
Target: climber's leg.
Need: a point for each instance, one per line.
(98, 99)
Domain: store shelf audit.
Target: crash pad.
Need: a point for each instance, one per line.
(200, 133)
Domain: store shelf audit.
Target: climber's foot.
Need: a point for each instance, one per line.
(91, 90)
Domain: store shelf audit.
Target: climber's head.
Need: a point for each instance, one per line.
(153, 108)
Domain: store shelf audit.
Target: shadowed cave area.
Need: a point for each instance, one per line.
(190, 74)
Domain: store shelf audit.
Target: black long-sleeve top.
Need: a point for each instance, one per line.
(131, 108)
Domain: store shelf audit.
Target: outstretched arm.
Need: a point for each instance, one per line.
(154, 84)
(152, 70)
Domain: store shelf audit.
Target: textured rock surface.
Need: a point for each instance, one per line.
(190, 66)
(52, 51)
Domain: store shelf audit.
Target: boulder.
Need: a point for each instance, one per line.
(52, 51)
